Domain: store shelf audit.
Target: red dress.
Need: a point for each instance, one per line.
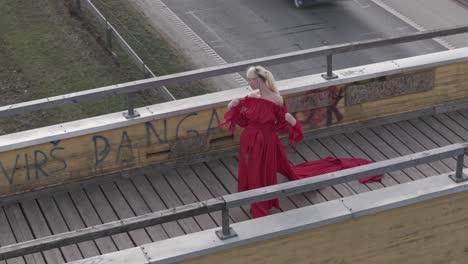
(261, 153)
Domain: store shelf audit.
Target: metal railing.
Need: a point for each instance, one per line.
(111, 35)
(226, 202)
(135, 86)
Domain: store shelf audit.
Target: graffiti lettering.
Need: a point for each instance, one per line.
(9, 177)
(150, 128)
(100, 156)
(210, 128)
(125, 143)
(26, 162)
(39, 165)
(194, 132)
(54, 157)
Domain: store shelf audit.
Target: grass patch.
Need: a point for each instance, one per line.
(45, 52)
(160, 57)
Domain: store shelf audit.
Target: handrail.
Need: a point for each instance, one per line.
(135, 86)
(234, 200)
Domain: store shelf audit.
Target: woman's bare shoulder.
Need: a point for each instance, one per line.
(277, 99)
(255, 94)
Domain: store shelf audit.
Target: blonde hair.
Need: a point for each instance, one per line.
(265, 75)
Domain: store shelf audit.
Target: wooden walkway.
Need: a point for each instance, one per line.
(152, 191)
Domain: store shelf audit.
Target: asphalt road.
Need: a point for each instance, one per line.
(245, 29)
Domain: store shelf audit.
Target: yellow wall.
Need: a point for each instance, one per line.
(180, 136)
(434, 231)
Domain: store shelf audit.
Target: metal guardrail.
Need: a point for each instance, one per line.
(237, 199)
(112, 33)
(132, 87)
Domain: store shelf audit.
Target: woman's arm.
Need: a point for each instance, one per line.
(233, 103)
(290, 119)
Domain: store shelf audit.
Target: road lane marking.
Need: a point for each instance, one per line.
(410, 22)
(198, 40)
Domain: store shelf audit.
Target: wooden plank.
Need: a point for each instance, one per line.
(91, 218)
(57, 225)
(121, 210)
(442, 129)
(217, 189)
(7, 238)
(231, 164)
(74, 221)
(198, 188)
(429, 132)
(464, 113)
(155, 203)
(459, 118)
(164, 190)
(424, 140)
(187, 197)
(339, 152)
(388, 151)
(327, 193)
(322, 152)
(115, 227)
(22, 231)
(453, 126)
(225, 176)
(402, 149)
(355, 173)
(299, 199)
(40, 229)
(234, 200)
(399, 175)
(139, 207)
(414, 146)
(440, 137)
(350, 147)
(107, 214)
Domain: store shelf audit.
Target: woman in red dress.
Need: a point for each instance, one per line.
(263, 114)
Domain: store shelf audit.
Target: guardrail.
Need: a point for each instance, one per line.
(132, 87)
(112, 33)
(226, 202)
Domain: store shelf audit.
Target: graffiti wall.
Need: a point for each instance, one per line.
(109, 151)
(180, 137)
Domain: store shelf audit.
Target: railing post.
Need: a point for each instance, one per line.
(75, 8)
(78, 7)
(146, 74)
(329, 75)
(108, 36)
(459, 175)
(226, 231)
(131, 110)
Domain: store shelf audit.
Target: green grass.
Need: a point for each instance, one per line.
(160, 57)
(46, 52)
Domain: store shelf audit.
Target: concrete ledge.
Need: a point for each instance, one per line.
(206, 242)
(169, 109)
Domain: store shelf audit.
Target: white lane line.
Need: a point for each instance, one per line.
(198, 40)
(208, 28)
(410, 22)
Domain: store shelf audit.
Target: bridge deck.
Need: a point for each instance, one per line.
(153, 191)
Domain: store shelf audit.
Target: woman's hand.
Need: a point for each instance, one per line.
(233, 103)
(291, 120)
